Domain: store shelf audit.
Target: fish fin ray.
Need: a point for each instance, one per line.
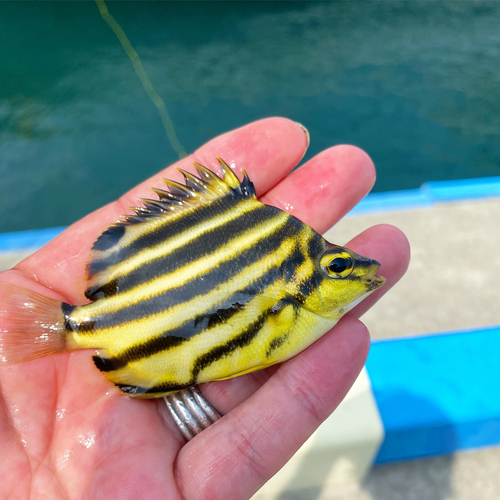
(131, 390)
(31, 325)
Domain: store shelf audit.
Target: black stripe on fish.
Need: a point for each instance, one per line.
(196, 287)
(200, 324)
(104, 364)
(308, 286)
(100, 291)
(67, 309)
(223, 350)
(138, 351)
(222, 315)
(202, 362)
(70, 325)
(110, 237)
(171, 338)
(316, 248)
(281, 339)
(276, 343)
(205, 244)
(163, 232)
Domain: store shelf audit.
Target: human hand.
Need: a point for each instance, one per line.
(67, 432)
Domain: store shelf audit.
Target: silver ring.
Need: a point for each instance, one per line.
(191, 411)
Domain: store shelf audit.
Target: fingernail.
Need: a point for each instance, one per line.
(308, 137)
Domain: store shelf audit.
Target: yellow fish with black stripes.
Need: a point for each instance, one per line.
(205, 283)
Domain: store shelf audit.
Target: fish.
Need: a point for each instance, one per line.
(204, 283)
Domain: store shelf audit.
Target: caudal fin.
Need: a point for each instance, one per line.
(31, 325)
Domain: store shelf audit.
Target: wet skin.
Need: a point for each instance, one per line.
(66, 432)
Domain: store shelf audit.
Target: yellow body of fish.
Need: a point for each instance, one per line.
(204, 284)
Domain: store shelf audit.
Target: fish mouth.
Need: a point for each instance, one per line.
(375, 282)
(371, 279)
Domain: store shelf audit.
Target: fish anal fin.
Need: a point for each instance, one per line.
(108, 369)
(132, 390)
(103, 361)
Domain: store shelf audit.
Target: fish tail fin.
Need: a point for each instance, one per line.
(31, 325)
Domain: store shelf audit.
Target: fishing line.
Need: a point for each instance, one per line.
(143, 77)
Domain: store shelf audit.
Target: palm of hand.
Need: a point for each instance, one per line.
(66, 432)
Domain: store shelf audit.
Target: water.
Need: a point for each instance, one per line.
(415, 84)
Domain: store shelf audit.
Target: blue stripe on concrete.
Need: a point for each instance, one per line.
(392, 200)
(462, 189)
(437, 394)
(429, 194)
(23, 240)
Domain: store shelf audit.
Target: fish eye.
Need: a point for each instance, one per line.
(337, 265)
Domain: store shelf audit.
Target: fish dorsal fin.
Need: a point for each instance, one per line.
(111, 246)
(196, 191)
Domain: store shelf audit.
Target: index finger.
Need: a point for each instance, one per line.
(274, 142)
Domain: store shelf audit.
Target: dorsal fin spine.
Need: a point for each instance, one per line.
(164, 195)
(156, 206)
(229, 176)
(193, 182)
(213, 182)
(247, 189)
(178, 189)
